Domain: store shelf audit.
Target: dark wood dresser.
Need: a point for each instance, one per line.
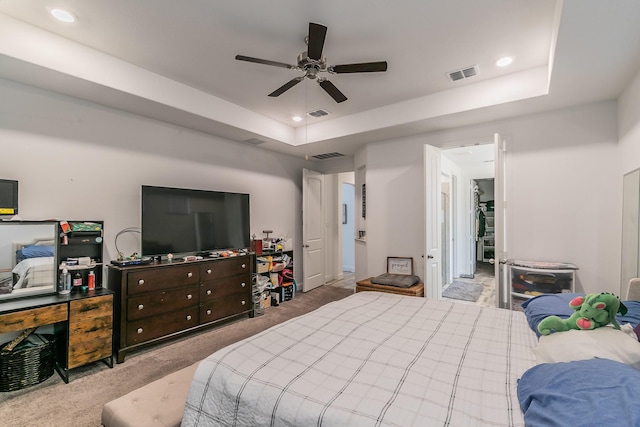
(156, 302)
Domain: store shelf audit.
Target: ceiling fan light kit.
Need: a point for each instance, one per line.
(312, 63)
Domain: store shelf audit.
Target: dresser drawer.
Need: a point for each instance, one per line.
(225, 268)
(224, 287)
(158, 326)
(90, 326)
(234, 304)
(161, 278)
(151, 304)
(90, 345)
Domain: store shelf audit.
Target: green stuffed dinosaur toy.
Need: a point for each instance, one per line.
(592, 311)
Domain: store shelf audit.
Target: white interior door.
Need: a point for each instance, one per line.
(503, 294)
(312, 230)
(433, 236)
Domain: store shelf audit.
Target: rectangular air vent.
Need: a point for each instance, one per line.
(464, 73)
(318, 113)
(254, 141)
(327, 156)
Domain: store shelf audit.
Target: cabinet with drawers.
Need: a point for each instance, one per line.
(160, 301)
(81, 323)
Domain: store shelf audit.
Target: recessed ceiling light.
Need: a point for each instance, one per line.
(63, 15)
(296, 118)
(503, 62)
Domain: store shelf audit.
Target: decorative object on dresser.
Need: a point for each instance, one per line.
(164, 300)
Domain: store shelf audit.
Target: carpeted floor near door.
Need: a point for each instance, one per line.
(79, 403)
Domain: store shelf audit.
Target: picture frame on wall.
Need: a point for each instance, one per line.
(400, 265)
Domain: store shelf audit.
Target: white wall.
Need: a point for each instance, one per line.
(563, 189)
(629, 134)
(77, 160)
(629, 126)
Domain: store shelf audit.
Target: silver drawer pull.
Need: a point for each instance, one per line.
(140, 307)
(243, 284)
(244, 265)
(141, 282)
(139, 330)
(208, 291)
(189, 317)
(243, 302)
(209, 271)
(189, 296)
(208, 311)
(189, 274)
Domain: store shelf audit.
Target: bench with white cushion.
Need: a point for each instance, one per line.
(160, 403)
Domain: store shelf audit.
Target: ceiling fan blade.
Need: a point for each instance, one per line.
(365, 67)
(285, 87)
(317, 33)
(332, 91)
(265, 62)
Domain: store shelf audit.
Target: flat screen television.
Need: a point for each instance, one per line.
(186, 221)
(8, 197)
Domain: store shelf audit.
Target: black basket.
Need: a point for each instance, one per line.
(30, 362)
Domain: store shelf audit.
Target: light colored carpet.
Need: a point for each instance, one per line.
(464, 291)
(79, 403)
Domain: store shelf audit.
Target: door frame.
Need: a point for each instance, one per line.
(432, 171)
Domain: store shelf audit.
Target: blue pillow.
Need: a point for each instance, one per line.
(37, 251)
(537, 308)
(594, 392)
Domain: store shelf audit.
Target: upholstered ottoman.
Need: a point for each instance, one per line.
(416, 290)
(160, 403)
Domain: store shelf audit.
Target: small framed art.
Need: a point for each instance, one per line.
(400, 265)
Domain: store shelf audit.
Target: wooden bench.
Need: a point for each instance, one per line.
(160, 403)
(416, 290)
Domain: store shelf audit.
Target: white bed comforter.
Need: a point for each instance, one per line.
(372, 359)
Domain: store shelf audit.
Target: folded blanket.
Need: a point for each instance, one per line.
(399, 280)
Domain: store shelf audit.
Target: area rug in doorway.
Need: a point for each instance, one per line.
(466, 291)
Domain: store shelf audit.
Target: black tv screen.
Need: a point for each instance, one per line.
(180, 221)
(8, 197)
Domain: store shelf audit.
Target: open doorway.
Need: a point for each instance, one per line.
(467, 224)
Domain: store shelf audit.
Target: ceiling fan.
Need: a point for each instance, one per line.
(312, 63)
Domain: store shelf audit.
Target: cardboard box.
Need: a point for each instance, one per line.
(256, 246)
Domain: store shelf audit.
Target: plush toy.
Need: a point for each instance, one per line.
(592, 311)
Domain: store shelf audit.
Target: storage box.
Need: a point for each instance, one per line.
(262, 267)
(256, 246)
(30, 362)
(287, 291)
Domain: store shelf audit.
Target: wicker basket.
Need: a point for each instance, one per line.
(29, 363)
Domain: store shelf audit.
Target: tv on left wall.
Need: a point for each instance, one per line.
(8, 197)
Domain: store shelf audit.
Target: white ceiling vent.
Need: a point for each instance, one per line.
(318, 113)
(254, 141)
(464, 73)
(327, 156)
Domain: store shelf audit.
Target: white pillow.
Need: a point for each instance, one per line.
(601, 343)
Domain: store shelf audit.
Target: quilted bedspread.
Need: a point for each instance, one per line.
(372, 359)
